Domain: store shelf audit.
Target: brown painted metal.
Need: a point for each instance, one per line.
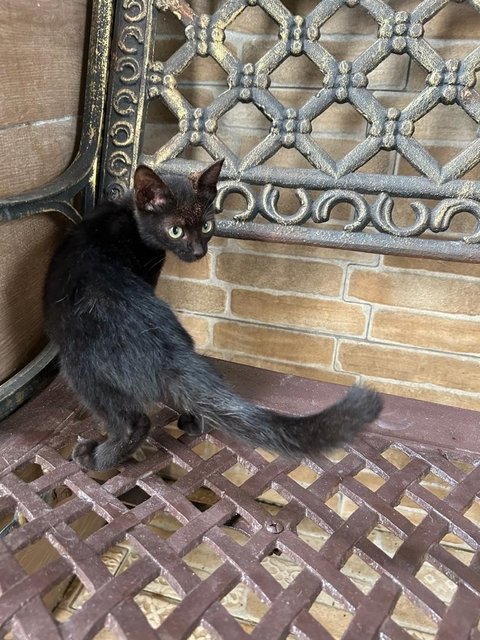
(430, 435)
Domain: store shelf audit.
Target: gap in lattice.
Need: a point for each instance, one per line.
(29, 472)
(411, 618)
(312, 533)
(438, 583)
(385, 540)
(270, 496)
(360, 573)
(163, 524)
(436, 485)
(341, 504)
(396, 456)
(203, 498)
(203, 560)
(282, 567)
(458, 548)
(298, 73)
(445, 122)
(133, 497)
(155, 609)
(87, 524)
(303, 475)
(411, 510)
(370, 479)
(354, 20)
(206, 449)
(242, 128)
(240, 537)
(238, 474)
(331, 614)
(473, 512)
(172, 472)
(244, 604)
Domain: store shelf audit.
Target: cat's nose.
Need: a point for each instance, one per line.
(198, 251)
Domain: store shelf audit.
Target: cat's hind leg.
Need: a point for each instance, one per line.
(126, 431)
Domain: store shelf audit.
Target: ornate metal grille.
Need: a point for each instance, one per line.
(139, 78)
(242, 532)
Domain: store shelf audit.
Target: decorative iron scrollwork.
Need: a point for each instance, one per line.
(138, 77)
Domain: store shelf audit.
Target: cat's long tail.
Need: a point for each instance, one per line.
(206, 397)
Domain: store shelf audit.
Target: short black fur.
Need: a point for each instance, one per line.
(122, 349)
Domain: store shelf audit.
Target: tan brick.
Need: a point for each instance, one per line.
(446, 49)
(408, 365)
(191, 296)
(438, 266)
(416, 291)
(199, 70)
(337, 119)
(443, 154)
(273, 343)
(302, 72)
(284, 274)
(244, 115)
(454, 21)
(331, 316)
(217, 243)
(197, 327)
(444, 122)
(198, 96)
(252, 20)
(431, 332)
(300, 251)
(315, 373)
(42, 52)
(351, 20)
(199, 270)
(450, 397)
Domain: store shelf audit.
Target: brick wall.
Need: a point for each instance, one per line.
(42, 55)
(406, 326)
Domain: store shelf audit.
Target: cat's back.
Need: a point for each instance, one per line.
(90, 269)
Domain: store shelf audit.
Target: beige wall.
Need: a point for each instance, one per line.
(41, 53)
(406, 326)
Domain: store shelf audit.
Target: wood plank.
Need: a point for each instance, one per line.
(42, 51)
(27, 247)
(35, 154)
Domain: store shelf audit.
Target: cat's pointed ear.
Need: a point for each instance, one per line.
(150, 191)
(206, 181)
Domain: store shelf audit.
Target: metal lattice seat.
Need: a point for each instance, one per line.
(203, 537)
(319, 529)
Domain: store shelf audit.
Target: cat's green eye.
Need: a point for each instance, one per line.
(175, 232)
(207, 226)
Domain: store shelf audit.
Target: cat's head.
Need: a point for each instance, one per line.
(176, 213)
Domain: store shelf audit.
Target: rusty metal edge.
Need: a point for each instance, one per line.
(29, 380)
(454, 251)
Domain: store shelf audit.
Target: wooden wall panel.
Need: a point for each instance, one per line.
(42, 51)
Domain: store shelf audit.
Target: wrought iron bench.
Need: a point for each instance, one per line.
(318, 551)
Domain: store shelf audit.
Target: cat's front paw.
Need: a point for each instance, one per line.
(190, 424)
(84, 453)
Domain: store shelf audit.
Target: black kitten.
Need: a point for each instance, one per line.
(123, 349)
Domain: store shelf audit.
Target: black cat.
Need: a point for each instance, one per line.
(122, 349)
